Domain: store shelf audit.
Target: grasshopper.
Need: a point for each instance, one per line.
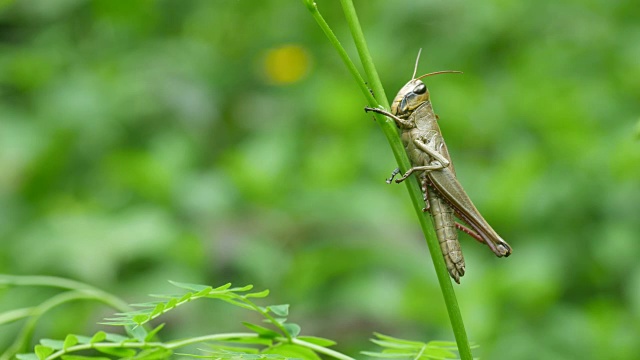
(444, 196)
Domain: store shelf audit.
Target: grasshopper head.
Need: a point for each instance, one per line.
(412, 95)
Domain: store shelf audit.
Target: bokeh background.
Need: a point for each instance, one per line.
(224, 141)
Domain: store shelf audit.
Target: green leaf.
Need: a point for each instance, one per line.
(386, 355)
(171, 303)
(185, 297)
(394, 345)
(235, 349)
(140, 319)
(292, 329)
(280, 310)
(293, 351)
(54, 344)
(83, 339)
(116, 338)
(406, 352)
(260, 294)
(223, 287)
(188, 286)
(262, 331)
(29, 356)
(137, 332)
(98, 337)
(148, 304)
(69, 341)
(157, 310)
(43, 351)
(443, 344)
(163, 296)
(439, 353)
(119, 352)
(153, 332)
(204, 292)
(220, 354)
(153, 354)
(79, 357)
(237, 303)
(399, 348)
(117, 323)
(317, 340)
(251, 340)
(242, 289)
(398, 341)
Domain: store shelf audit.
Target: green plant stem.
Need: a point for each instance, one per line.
(391, 133)
(52, 281)
(77, 291)
(266, 314)
(322, 350)
(15, 315)
(311, 5)
(22, 340)
(363, 51)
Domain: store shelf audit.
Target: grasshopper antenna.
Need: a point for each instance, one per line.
(439, 72)
(415, 69)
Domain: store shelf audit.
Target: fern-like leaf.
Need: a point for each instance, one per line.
(151, 310)
(395, 348)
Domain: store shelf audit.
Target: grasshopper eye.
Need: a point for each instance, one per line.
(420, 89)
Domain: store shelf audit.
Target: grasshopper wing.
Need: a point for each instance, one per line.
(447, 185)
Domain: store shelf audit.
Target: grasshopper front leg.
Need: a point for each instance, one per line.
(435, 165)
(433, 153)
(439, 162)
(400, 122)
(395, 172)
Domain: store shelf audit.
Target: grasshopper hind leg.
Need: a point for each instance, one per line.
(424, 184)
(445, 227)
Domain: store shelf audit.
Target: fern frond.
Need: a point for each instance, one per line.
(395, 348)
(151, 310)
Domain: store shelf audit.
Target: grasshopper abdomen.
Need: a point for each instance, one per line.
(445, 226)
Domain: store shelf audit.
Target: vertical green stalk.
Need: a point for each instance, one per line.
(391, 132)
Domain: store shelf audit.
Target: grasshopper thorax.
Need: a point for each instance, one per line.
(409, 98)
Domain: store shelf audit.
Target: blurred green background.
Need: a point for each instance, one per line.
(224, 141)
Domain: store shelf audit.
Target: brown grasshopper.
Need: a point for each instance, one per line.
(444, 196)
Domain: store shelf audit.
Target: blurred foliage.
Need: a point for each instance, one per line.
(140, 342)
(216, 141)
